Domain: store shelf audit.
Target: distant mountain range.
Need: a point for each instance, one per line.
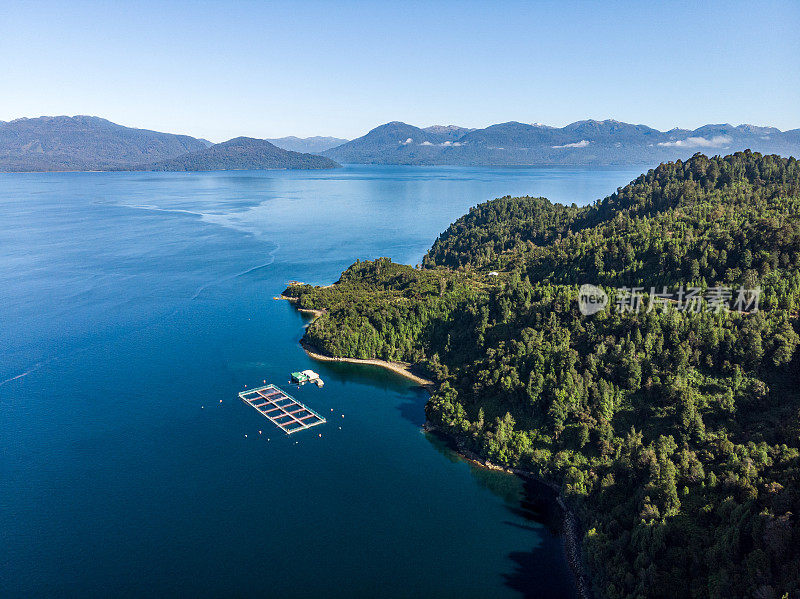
(581, 143)
(91, 143)
(310, 145)
(241, 153)
(80, 143)
(85, 143)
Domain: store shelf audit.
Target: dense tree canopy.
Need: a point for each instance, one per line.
(675, 434)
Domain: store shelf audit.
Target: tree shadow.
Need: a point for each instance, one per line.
(534, 578)
(412, 396)
(543, 571)
(365, 374)
(412, 406)
(538, 504)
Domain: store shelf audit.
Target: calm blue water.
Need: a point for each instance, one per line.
(134, 307)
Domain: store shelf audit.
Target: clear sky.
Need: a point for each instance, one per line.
(268, 69)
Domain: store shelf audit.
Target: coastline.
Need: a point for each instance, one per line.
(396, 367)
(400, 368)
(570, 526)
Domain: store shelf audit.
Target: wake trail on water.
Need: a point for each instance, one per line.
(213, 218)
(30, 369)
(158, 209)
(221, 219)
(206, 219)
(233, 276)
(166, 316)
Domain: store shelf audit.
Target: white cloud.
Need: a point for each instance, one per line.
(699, 142)
(446, 144)
(578, 144)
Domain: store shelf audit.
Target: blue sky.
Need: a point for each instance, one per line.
(222, 69)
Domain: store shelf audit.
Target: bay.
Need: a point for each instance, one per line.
(133, 309)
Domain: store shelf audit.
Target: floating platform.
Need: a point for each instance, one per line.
(306, 376)
(280, 408)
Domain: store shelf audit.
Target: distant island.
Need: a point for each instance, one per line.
(82, 143)
(241, 153)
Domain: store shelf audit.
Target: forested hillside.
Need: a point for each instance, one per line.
(672, 428)
(731, 221)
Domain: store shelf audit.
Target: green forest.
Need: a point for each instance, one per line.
(674, 434)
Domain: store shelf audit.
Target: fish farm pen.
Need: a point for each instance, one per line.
(283, 410)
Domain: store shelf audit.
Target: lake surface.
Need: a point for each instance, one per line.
(133, 309)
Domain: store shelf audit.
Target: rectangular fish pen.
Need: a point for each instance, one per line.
(280, 408)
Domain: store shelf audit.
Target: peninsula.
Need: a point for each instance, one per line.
(673, 433)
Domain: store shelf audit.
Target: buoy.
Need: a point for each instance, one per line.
(259, 432)
(342, 415)
(265, 381)
(320, 434)
(220, 401)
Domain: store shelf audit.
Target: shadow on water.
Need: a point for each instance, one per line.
(536, 573)
(362, 374)
(411, 406)
(506, 486)
(538, 504)
(533, 578)
(542, 571)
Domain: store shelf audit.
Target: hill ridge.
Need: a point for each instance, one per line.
(588, 142)
(241, 153)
